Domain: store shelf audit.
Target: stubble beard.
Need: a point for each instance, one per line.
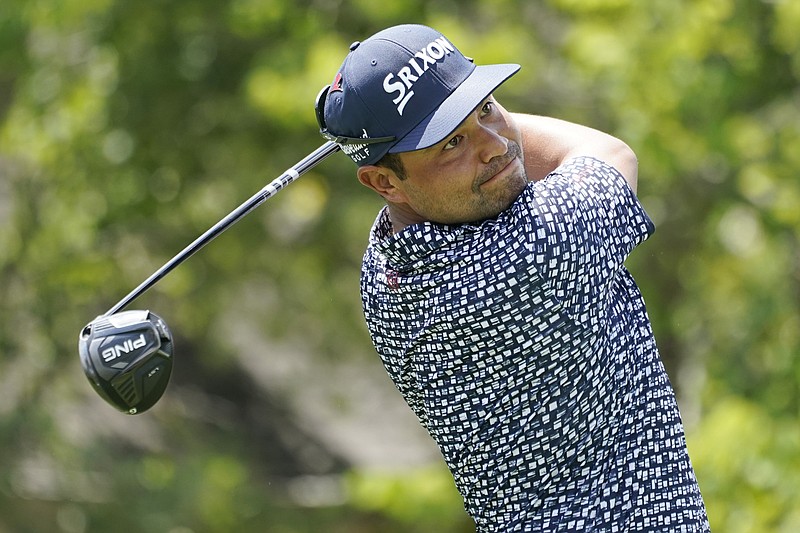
(500, 196)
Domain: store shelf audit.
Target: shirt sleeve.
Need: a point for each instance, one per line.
(586, 220)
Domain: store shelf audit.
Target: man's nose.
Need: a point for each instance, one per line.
(493, 144)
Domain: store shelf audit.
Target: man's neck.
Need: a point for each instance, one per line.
(401, 217)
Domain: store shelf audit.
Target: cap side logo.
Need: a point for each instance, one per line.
(337, 83)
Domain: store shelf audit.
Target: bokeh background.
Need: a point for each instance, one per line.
(127, 128)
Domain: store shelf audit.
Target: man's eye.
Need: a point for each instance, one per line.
(452, 143)
(487, 108)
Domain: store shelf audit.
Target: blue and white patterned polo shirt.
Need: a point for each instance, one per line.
(523, 346)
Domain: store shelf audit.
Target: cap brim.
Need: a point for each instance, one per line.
(453, 111)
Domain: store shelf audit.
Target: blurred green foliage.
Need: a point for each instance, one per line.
(128, 128)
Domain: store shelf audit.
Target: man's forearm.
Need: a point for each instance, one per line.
(548, 142)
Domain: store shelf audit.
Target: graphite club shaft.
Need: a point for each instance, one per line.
(272, 188)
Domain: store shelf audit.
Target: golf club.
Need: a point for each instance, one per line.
(127, 356)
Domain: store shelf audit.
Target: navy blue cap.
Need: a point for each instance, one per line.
(405, 88)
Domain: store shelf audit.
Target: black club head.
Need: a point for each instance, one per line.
(127, 357)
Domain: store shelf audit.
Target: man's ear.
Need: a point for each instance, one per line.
(381, 180)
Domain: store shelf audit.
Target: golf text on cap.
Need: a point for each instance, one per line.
(353, 149)
(430, 54)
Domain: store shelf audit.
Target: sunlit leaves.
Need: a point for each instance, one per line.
(746, 460)
(785, 35)
(415, 497)
(251, 18)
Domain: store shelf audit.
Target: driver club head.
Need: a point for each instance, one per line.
(127, 357)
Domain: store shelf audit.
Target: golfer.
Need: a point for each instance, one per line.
(496, 295)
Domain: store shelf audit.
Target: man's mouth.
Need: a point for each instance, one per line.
(499, 165)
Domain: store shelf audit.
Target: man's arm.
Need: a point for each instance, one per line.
(548, 142)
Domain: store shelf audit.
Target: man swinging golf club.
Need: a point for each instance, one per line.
(495, 293)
